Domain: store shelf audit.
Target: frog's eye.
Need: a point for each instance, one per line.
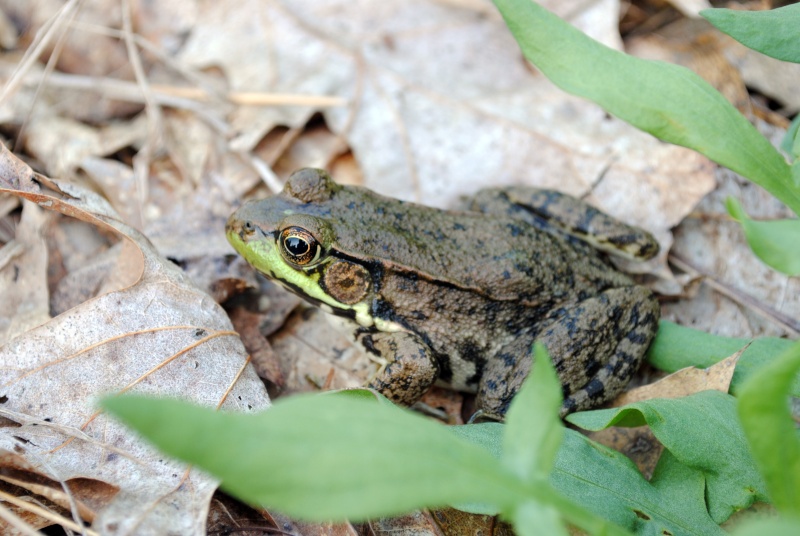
(299, 247)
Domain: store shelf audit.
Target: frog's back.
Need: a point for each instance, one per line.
(498, 256)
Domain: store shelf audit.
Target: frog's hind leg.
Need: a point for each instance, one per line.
(596, 346)
(568, 217)
(625, 322)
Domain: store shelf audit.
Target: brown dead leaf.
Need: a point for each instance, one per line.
(454, 522)
(639, 444)
(156, 334)
(263, 356)
(308, 528)
(312, 344)
(684, 382)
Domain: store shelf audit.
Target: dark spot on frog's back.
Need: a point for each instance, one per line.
(458, 227)
(515, 230)
(470, 351)
(491, 310)
(595, 388)
(382, 309)
(524, 268)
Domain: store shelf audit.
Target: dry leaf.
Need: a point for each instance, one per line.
(684, 382)
(311, 345)
(23, 272)
(639, 444)
(158, 335)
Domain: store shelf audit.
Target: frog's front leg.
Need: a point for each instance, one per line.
(411, 367)
(564, 215)
(596, 345)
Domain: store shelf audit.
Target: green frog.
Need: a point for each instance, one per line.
(459, 297)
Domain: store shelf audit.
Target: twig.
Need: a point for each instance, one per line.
(790, 325)
(178, 96)
(47, 514)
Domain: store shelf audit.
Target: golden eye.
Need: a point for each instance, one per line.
(299, 247)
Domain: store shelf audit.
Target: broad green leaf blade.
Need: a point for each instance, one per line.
(610, 485)
(490, 437)
(777, 242)
(668, 101)
(702, 432)
(325, 457)
(684, 485)
(774, 33)
(534, 519)
(676, 347)
(533, 427)
(771, 432)
(769, 527)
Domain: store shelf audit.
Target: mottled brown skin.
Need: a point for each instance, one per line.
(461, 296)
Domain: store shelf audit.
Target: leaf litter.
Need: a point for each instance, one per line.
(152, 331)
(426, 112)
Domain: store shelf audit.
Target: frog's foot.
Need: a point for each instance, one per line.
(410, 368)
(564, 215)
(596, 346)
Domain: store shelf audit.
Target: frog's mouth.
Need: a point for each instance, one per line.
(328, 308)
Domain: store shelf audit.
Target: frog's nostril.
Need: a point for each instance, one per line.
(248, 227)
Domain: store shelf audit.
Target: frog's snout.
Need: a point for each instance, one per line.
(232, 226)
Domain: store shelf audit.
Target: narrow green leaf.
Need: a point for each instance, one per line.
(702, 432)
(668, 101)
(610, 485)
(791, 141)
(771, 432)
(325, 457)
(676, 347)
(775, 32)
(533, 427)
(796, 168)
(774, 242)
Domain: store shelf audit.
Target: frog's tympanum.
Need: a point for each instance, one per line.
(460, 297)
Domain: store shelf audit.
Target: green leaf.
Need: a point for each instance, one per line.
(610, 485)
(774, 242)
(534, 519)
(490, 437)
(703, 433)
(325, 457)
(533, 427)
(770, 430)
(796, 170)
(769, 527)
(676, 347)
(791, 141)
(668, 101)
(775, 32)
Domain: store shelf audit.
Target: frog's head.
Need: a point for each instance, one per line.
(288, 238)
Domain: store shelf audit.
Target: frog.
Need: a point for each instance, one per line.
(459, 297)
